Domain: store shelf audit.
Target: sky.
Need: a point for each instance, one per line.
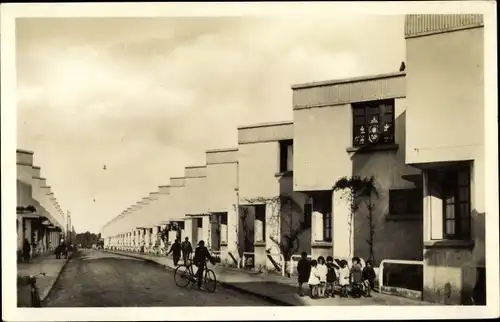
(147, 96)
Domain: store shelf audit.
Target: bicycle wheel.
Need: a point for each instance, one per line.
(182, 276)
(210, 281)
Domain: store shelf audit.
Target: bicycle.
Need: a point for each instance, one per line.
(184, 275)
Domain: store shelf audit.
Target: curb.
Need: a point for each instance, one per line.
(223, 284)
(57, 279)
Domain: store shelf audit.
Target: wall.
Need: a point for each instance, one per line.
(222, 182)
(454, 118)
(390, 233)
(163, 203)
(258, 158)
(222, 179)
(195, 191)
(176, 199)
(323, 154)
(454, 59)
(153, 216)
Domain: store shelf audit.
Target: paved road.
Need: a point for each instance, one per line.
(98, 279)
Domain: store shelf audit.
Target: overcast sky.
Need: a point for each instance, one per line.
(147, 97)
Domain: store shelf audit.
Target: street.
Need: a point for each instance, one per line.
(97, 279)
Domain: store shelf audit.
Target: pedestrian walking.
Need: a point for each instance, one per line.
(187, 249)
(26, 250)
(175, 249)
(303, 270)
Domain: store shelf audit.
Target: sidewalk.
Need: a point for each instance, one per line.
(46, 263)
(274, 288)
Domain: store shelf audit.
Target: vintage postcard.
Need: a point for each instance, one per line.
(178, 161)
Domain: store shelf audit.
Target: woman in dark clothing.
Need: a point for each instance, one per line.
(26, 250)
(176, 250)
(304, 270)
(369, 278)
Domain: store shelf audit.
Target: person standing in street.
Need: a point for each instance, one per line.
(26, 250)
(175, 249)
(186, 250)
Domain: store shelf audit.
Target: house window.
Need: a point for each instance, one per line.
(327, 226)
(286, 156)
(456, 204)
(199, 222)
(406, 202)
(260, 214)
(223, 218)
(373, 122)
(452, 185)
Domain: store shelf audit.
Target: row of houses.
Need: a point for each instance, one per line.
(40, 219)
(383, 167)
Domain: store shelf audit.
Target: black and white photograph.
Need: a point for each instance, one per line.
(269, 155)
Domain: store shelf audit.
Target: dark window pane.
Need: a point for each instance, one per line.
(464, 210)
(450, 227)
(463, 178)
(359, 110)
(450, 200)
(463, 194)
(450, 211)
(359, 121)
(465, 227)
(387, 118)
(373, 110)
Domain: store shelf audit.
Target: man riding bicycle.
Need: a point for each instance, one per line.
(201, 255)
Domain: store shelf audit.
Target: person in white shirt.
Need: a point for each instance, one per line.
(322, 271)
(344, 278)
(314, 281)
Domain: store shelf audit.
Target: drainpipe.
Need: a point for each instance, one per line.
(238, 210)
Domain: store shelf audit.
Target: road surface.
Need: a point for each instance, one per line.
(98, 279)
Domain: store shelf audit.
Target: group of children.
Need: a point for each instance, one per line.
(322, 276)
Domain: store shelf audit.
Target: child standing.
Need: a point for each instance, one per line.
(304, 270)
(322, 271)
(331, 276)
(314, 279)
(368, 278)
(343, 278)
(356, 277)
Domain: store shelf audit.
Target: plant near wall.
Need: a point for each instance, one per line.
(247, 243)
(282, 219)
(356, 189)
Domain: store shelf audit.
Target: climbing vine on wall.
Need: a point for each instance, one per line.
(355, 190)
(285, 233)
